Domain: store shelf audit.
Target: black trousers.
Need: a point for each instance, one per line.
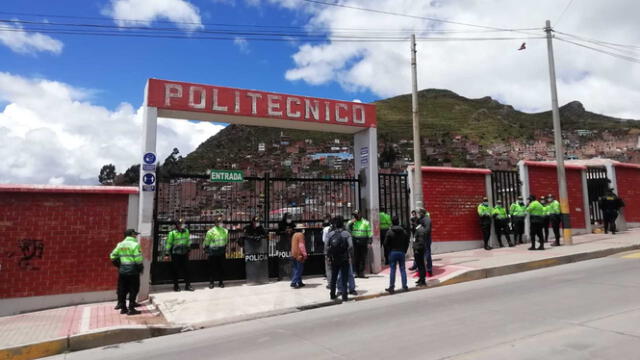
(343, 270)
(556, 220)
(536, 230)
(485, 225)
(180, 264)
(609, 218)
(128, 285)
(518, 228)
(502, 228)
(418, 256)
(545, 227)
(216, 267)
(383, 235)
(360, 250)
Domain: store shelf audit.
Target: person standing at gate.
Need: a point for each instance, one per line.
(215, 246)
(485, 212)
(536, 217)
(385, 224)
(501, 223)
(553, 209)
(339, 249)
(518, 211)
(327, 226)
(298, 257)
(127, 256)
(397, 241)
(361, 233)
(413, 223)
(285, 231)
(177, 248)
(546, 219)
(422, 247)
(610, 204)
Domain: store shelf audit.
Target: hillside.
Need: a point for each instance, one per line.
(444, 114)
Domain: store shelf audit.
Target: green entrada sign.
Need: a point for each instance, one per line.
(226, 176)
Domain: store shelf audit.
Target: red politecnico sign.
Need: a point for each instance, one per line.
(181, 96)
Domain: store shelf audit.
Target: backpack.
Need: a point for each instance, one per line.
(338, 250)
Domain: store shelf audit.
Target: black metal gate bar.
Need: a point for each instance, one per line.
(505, 185)
(597, 185)
(393, 194)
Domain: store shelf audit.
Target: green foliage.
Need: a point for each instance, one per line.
(107, 174)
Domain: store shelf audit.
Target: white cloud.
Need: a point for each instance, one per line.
(22, 42)
(50, 132)
(137, 12)
(477, 68)
(242, 44)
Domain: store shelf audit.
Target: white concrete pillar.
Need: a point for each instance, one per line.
(489, 191)
(621, 224)
(525, 190)
(365, 148)
(145, 208)
(585, 201)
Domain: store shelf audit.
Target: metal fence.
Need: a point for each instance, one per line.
(597, 185)
(393, 192)
(506, 186)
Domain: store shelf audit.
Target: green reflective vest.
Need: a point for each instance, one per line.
(216, 240)
(518, 209)
(535, 208)
(500, 212)
(554, 207)
(361, 229)
(178, 242)
(128, 253)
(385, 221)
(484, 210)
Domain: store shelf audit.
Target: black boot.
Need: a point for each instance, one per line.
(118, 306)
(220, 284)
(133, 311)
(211, 285)
(176, 288)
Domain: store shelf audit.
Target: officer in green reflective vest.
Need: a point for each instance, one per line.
(518, 212)
(501, 223)
(536, 218)
(127, 256)
(553, 209)
(485, 212)
(361, 234)
(215, 245)
(547, 217)
(385, 224)
(178, 246)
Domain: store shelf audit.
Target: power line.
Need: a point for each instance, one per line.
(616, 55)
(563, 11)
(599, 41)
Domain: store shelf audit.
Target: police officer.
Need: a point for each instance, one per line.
(546, 217)
(501, 223)
(610, 205)
(553, 209)
(518, 211)
(177, 247)
(536, 217)
(422, 247)
(127, 256)
(361, 234)
(285, 231)
(385, 224)
(485, 212)
(215, 246)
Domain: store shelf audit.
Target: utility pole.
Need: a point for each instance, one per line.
(417, 155)
(557, 137)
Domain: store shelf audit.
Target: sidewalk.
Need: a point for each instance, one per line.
(49, 332)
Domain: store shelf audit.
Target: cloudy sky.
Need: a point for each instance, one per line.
(72, 76)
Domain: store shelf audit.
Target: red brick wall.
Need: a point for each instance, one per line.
(451, 196)
(70, 236)
(628, 179)
(543, 180)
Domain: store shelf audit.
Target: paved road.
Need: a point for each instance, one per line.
(587, 310)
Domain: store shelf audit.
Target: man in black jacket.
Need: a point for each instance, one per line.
(397, 241)
(610, 205)
(422, 247)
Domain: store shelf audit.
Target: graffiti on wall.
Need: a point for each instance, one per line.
(28, 250)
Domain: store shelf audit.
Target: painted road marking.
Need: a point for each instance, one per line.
(85, 319)
(632, 256)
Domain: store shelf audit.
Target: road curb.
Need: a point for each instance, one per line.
(85, 341)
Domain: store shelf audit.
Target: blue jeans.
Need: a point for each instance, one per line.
(352, 281)
(397, 258)
(296, 274)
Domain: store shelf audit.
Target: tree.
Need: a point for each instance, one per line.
(107, 174)
(132, 175)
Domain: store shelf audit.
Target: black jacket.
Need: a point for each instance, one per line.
(397, 239)
(423, 234)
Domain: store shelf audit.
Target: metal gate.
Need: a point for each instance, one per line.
(506, 186)
(393, 192)
(198, 201)
(597, 185)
